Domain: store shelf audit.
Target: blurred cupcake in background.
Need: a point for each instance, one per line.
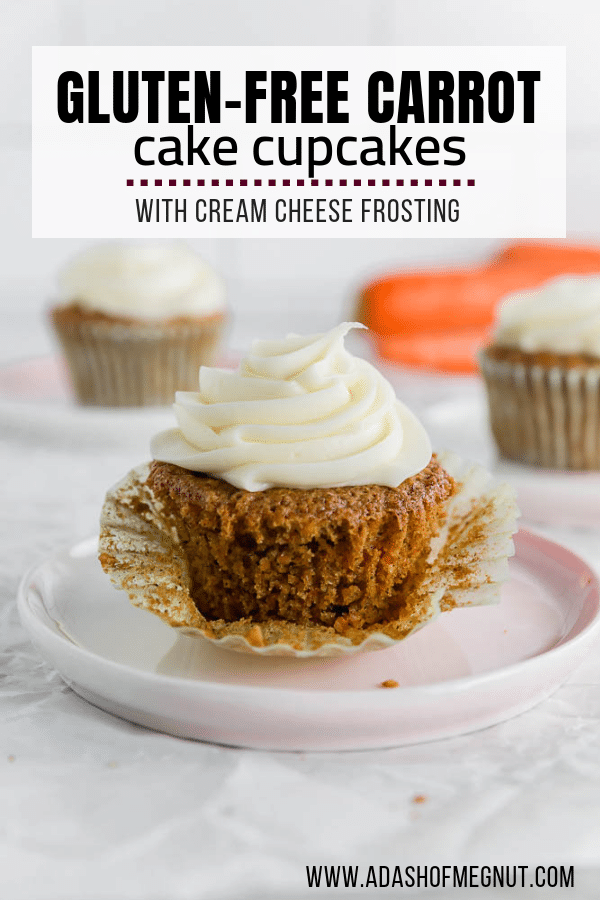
(136, 321)
(542, 374)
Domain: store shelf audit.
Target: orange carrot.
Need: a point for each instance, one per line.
(438, 318)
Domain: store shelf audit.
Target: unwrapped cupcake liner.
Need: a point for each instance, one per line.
(136, 364)
(544, 416)
(468, 561)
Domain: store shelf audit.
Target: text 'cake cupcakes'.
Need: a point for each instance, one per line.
(297, 509)
(135, 321)
(542, 373)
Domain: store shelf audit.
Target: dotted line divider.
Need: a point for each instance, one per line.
(301, 182)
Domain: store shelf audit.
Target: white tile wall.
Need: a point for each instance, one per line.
(23, 24)
(230, 22)
(291, 267)
(574, 24)
(352, 259)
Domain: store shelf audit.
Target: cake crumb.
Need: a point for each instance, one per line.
(11, 758)
(255, 637)
(419, 798)
(389, 683)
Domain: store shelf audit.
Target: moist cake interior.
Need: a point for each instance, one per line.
(343, 557)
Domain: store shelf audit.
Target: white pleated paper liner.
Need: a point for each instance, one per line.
(467, 564)
(138, 363)
(545, 416)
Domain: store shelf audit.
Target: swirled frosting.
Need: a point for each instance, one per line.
(302, 412)
(149, 280)
(562, 316)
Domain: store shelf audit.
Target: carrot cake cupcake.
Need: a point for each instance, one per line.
(542, 373)
(298, 508)
(136, 320)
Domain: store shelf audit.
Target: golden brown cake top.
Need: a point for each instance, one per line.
(217, 503)
(544, 358)
(74, 314)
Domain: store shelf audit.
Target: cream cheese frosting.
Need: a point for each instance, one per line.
(147, 280)
(563, 316)
(301, 412)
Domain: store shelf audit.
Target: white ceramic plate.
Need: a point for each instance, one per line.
(468, 669)
(35, 399)
(45, 380)
(37, 379)
(562, 498)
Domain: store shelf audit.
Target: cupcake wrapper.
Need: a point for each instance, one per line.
(140, 551)
(546, 417)
(136, 365)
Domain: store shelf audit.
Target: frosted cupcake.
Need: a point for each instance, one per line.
(297, 508)
(135, 321)
(542, 373)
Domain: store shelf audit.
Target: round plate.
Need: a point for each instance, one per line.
(45, 380)
(468, 669)
(562, 498)
(36, 399)
(41, 379)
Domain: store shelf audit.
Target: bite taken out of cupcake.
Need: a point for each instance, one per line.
(297, 509)
(542, 374)
(136, 320)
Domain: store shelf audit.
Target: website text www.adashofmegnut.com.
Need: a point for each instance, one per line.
(445, 876)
